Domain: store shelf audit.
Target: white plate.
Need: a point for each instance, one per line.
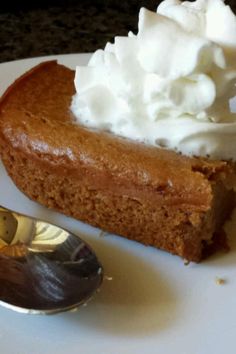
(154, 304)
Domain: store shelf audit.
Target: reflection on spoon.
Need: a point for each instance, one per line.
(43, 268)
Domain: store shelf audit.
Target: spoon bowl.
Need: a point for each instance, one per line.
(44, 269)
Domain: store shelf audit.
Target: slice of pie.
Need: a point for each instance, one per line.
(148, 194)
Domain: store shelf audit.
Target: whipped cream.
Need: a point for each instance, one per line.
(172, 85)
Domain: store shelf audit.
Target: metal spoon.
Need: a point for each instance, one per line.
(43, 268)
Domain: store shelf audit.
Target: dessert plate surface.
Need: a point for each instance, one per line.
(150, 302)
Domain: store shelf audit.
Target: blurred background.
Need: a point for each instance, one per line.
(59, 27)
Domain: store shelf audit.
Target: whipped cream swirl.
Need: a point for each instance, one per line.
(172, 85)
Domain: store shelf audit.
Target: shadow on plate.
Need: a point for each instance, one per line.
(135, 301)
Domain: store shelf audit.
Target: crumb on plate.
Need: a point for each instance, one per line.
(102, 233)
(220, 281)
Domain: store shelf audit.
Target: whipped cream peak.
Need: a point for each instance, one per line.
(171, 85)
